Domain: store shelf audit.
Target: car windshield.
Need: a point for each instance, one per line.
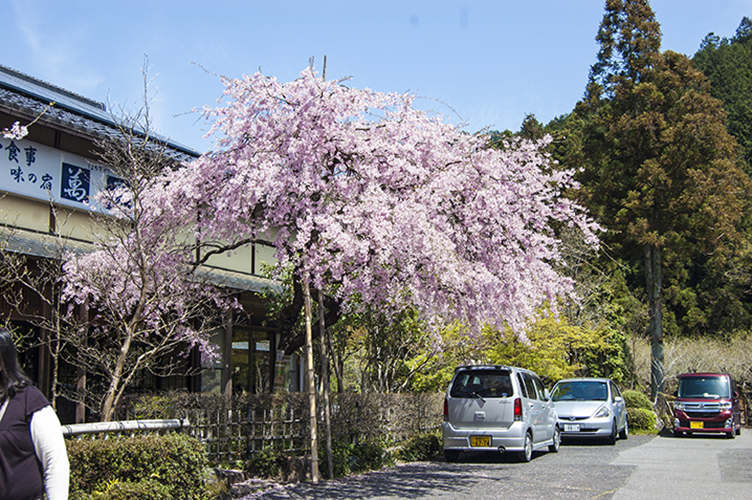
(704, 387)
(580, 391)
(482, 384)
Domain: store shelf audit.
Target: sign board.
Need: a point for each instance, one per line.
(37, 171)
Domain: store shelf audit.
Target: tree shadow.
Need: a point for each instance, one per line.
(417, 480)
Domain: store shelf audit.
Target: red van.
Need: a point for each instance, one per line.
(707, 402)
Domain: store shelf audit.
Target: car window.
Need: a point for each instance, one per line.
(615, 392)
(520, 382)
(482, 383)
(539, 388)
(530, 386)
(580, 391)
(710, 387)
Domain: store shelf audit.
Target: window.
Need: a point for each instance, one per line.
(711, 387)
(521, 383)
(615, 392)
(530, 386)
(250, 361)
(539, 388)
(482, 383)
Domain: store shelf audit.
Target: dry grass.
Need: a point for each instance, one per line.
(683, 355)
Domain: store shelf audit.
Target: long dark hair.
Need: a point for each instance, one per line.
(12, 377)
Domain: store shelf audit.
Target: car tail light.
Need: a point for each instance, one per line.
(446, 409)
(517, 409)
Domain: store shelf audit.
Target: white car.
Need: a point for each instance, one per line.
(498, 409)
(590, 407)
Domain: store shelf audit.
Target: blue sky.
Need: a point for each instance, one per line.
(481, 63)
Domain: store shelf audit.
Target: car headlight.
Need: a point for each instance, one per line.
(602, 412)
(726, 405)
(678, 405)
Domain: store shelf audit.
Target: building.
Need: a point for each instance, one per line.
(47, 179)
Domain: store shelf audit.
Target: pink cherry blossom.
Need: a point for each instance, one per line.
(16, 132)
(371, 198)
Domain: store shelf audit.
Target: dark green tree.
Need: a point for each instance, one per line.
(660, 168)
(728, 65)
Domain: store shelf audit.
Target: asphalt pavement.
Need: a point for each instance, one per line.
(642, 467)
(698, 467)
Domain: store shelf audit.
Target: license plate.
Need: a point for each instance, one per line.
(696, 425)
(571, 427)
(483, 441)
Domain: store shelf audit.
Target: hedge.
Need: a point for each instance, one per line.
(421, 447)
(149, 467)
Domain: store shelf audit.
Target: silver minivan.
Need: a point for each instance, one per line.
(500, 409)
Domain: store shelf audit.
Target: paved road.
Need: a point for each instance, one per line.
(695, 467)
(640, 468)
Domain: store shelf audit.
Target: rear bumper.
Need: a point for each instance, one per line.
(502, 439)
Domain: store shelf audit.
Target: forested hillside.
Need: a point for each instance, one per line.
(664, 145)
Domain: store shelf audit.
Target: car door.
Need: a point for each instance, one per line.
(534, 409)
(620, 406)
(548, 413)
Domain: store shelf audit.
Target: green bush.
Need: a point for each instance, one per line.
(347, 458)
(265, 463)
(342, 459)
(148, 489)
(350, 458)
(636, 399)
(421, 447)
(125, 465)
(370, 456)
(640, 419)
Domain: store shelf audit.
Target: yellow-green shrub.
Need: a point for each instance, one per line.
(636, 399)
(640, 419)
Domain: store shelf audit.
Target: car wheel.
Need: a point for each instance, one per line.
(527, 453)
(611, 439)
(554, 447)
(624, 434)
(452, 455)
(678, 434)
(731, 435)
(739, 431)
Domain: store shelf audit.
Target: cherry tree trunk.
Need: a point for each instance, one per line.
(311, 384)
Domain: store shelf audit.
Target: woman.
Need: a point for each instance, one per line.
(33, 457)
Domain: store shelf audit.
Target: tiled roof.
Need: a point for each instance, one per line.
(30, 96)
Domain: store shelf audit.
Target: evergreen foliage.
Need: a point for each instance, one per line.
(727, 63)
(661, 173)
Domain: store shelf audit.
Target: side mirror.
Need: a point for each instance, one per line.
(618, 399)
(736, 394)
(546, 394)
(676, 394)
